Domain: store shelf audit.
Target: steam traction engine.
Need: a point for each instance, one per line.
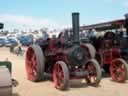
(64, 58)
(113, 57)
(5, 76)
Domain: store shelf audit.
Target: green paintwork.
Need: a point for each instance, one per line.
(7, 64)
(75, 25)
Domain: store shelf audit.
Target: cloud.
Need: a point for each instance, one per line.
(125, 3)
(29, 22)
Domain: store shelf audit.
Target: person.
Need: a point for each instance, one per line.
(117, 38)
(17, 48)
(45, 35)
(82, 35)
(90, 33)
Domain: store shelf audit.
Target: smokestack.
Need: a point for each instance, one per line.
(126, 23)
(75, 26)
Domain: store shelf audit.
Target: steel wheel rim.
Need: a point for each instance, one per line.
(31, 63)
(117, 71)
(58, 76)
(92, 73)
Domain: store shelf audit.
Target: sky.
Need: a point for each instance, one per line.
(56, 14)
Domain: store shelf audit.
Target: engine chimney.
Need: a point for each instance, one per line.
(75, 26)
(126, 23)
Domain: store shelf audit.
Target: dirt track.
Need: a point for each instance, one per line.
(46, 88)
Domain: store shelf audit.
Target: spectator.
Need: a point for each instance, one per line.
(90, 33)
(45, 35)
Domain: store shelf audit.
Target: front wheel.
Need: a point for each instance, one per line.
(61, 75)
(119, 70)
(94, 76)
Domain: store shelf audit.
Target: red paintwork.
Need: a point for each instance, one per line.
(107, 49)
(60, 54)
(31, 64)
(58, 74)
(55, 51)
(110, 53)
(117, 67)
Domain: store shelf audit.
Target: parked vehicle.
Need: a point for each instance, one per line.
(111, 60)
(10, 42)
(6, 81)
(112, 48)
(64, 59)
(5, 78)
(26, 40)
(2, 42)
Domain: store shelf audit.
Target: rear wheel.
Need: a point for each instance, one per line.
(119, 70)
(61, 75)
(35, 63)
(94, 70)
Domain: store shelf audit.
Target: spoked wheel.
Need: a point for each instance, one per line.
(34, 63)
(118, 70)
(94, 70)
(61, 76)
